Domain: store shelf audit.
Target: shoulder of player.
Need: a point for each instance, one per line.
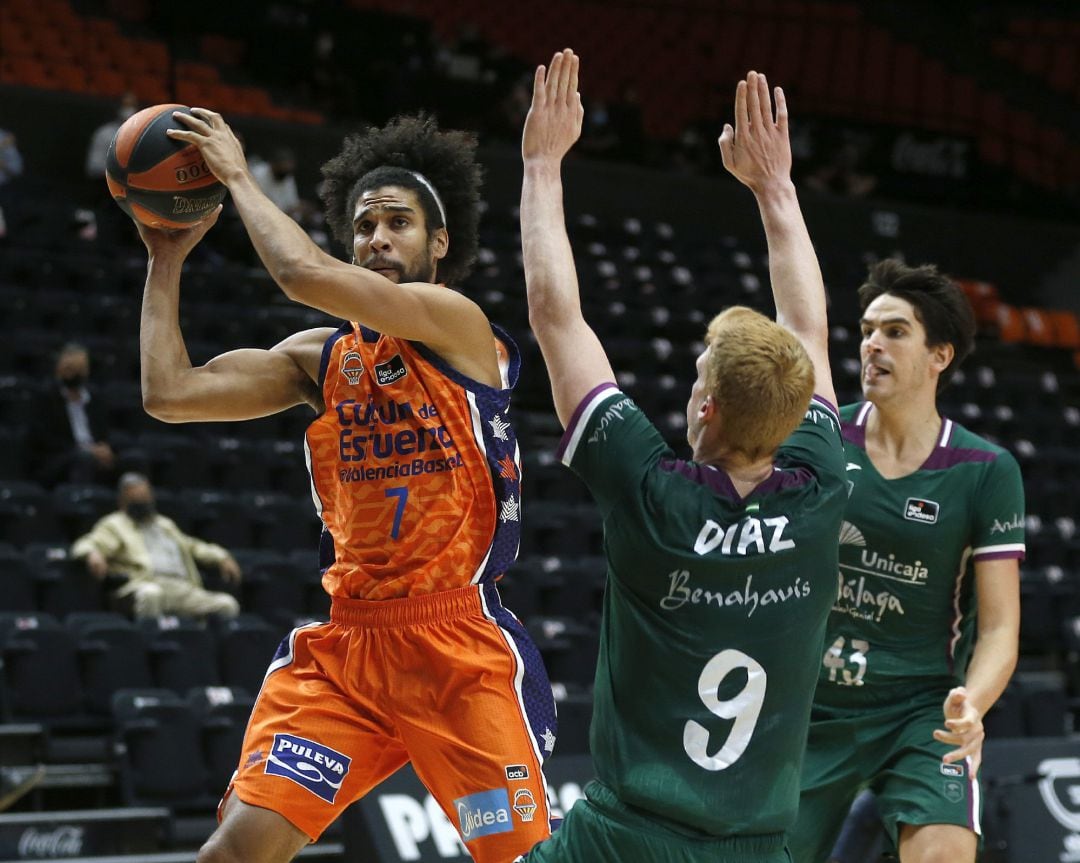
(961, 437)
(305, 349)
(848, 412)
(304, 340)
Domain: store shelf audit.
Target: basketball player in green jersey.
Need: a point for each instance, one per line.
(720, 569)
(929, 551)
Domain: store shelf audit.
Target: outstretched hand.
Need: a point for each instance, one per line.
(219, 146)
(963, 729)
(757, 151)
(555, 116)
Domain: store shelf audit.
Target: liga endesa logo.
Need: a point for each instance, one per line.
(924, 511)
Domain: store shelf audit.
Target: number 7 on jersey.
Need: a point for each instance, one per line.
(401, 492)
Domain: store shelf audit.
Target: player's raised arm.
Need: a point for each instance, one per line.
(238, 385)
(449, 323)
(757, 151)
(575, 358)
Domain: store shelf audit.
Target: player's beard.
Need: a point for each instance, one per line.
(422, 270)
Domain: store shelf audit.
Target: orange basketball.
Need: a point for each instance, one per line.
(158, 181)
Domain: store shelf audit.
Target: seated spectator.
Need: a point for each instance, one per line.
(67, 431)
(156, 559)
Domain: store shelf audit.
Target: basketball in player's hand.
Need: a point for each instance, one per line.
(158, 181)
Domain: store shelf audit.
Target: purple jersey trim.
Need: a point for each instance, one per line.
(1015, 554)
(328, 347)
(464, 381)
(943, 457)
(824, 402)
(576, 417)
(720, 483)
(854, 434)
(534, 688)
(711, 477)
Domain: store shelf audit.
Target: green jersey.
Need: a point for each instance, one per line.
(713, 620)
(904, 618)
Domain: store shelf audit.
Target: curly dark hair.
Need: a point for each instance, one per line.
(940, 305)
(388, 156)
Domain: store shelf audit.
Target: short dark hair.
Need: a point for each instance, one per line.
(393, 155)
(940, 304)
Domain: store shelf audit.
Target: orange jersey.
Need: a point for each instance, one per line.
(415, 469)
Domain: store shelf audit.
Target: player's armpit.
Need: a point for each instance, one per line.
(238, 385)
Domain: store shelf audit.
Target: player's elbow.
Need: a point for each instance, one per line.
(296, 276)
(161, 406)
(547, 311)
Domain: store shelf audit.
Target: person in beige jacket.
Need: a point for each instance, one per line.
(156, 557)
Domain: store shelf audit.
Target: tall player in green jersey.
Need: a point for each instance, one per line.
(721, 569)
(929, 553)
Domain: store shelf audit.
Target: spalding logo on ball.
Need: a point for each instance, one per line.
(158, 181)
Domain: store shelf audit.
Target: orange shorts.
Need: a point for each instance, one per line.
(449, 681)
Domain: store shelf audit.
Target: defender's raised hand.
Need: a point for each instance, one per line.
(554, 120)
(757, 151)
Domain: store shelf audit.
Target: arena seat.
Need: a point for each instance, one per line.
(64, 585)
(40, 671)
(246, 645)
(113, 656)
(159, 739)
(26, 514)
(223, 713)
(183, 653)
(19, 592)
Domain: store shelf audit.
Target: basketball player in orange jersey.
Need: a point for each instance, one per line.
(414, 471)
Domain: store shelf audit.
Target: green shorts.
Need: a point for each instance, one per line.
(600, 828)
(892, 751)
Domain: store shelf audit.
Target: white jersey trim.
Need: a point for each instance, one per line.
(828, 408)
(976, 794)
(860, 417)
(519, 675)
(583, 420)
(958, 614)
(999, 549)
(288, 657)
(478, 436)
(311, 479)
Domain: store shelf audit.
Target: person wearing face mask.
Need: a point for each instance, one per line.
(155, 557)
(67, 435)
